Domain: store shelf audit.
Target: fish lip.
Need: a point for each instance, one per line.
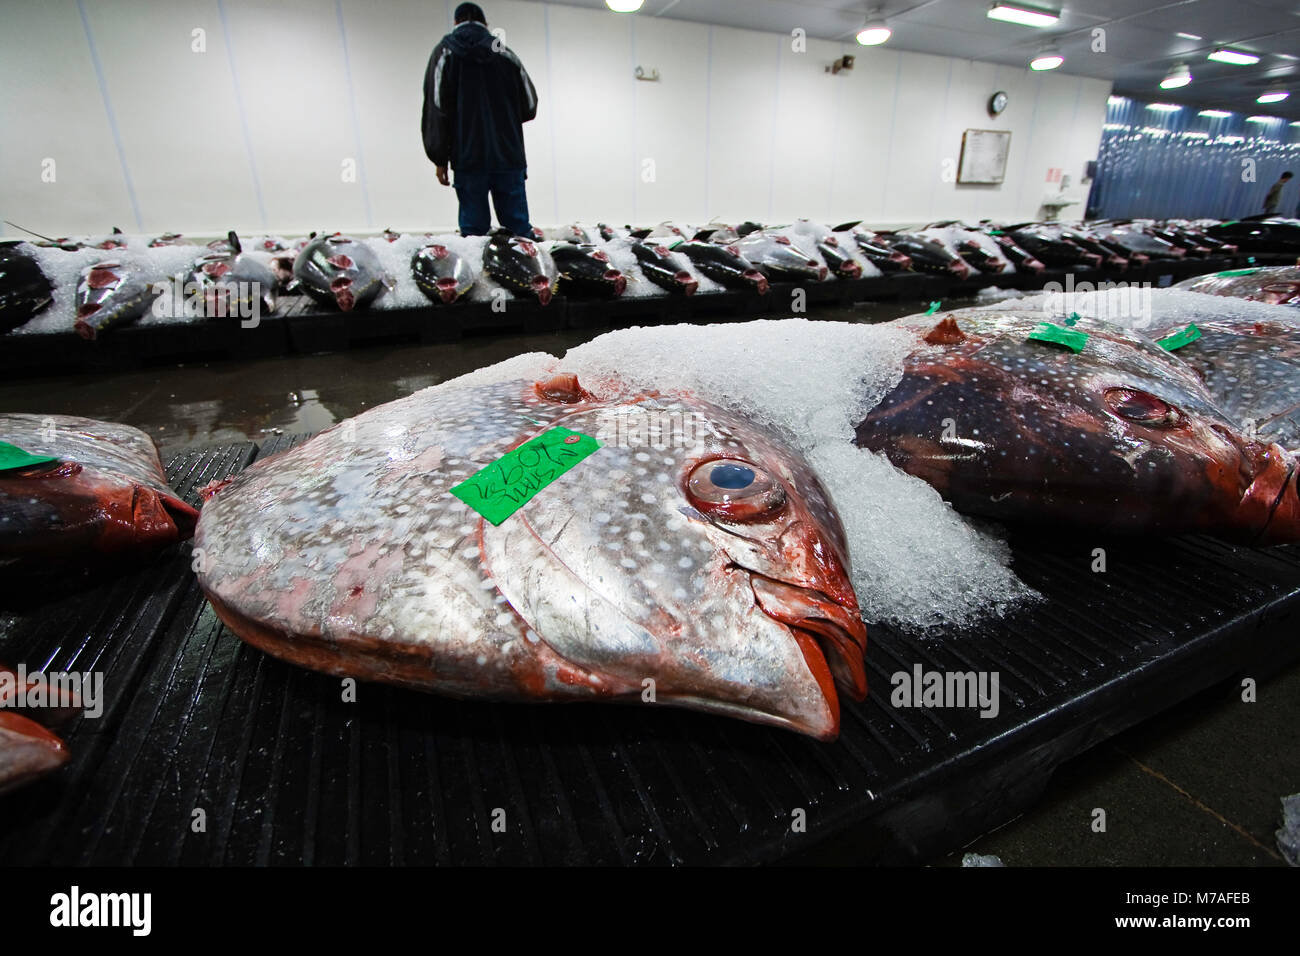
(837, 631)
(1274, 488)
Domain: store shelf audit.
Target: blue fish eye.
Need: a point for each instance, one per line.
(732, 477)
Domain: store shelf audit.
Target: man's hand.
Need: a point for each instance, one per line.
(442, 176)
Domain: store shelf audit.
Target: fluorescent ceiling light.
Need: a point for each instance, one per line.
(1215, 114)
(1164, 107)
(1276, 96)
(1048, 58)
(1189, 36)
(1235, 57)
(1180, 75)
(624, 6)
(876, 30)
(1260, 119)
(1025, 16)
(1296, 123)
(1116, 100)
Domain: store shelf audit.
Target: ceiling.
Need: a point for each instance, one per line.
(1141, 38)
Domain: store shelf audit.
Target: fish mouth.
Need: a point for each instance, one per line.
(851, 270)
(757, 278)
(618, 280)
(832, 637)
(343, 294)
(1274, 493)
(447, 289)
(687, 282)
(541, 286)
(960, 269)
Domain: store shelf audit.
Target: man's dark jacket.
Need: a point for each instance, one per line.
(476, 100)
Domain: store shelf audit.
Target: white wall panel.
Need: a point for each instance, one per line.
(255, 133)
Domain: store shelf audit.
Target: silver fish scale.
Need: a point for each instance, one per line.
(606, 577)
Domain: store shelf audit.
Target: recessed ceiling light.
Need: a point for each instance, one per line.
(1025, 16)
(1235, 57)
(1116, 100)
(876, 30)
(1164, 107)
(1295, 123)
(1189, 36)
(1214, 114)
(1048, 58)
(624, 6)
(1276, 96)
(1180, 75)
(1260, 119)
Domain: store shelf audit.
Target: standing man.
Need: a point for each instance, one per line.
(477, 96)
(1273, 201)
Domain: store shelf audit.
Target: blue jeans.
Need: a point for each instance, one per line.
(508, 196)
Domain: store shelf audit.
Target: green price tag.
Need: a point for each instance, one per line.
(1053, 334)
(1176, 340)
(11, 456)
(934, 307)
(498, 490)
(1236, 272)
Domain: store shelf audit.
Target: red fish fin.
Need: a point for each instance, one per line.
(945, 333)
(563, 387)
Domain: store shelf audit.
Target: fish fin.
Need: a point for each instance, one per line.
(234, 242)
(703, 235)
(844, 226)
(562, 387)
(947, 332)
(640, 233)
(117, 231)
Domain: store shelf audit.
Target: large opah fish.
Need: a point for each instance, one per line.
(702, 559)
(723, 264)
(341, 272)
(1119, 436)
(658, 264)
(520, 265)
(1277, 285)
(25, 290)
(585, 268)
(441, 274)
(113, 293)
(84, 487)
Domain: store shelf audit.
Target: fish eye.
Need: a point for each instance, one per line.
(1143, 408)
(734, 489)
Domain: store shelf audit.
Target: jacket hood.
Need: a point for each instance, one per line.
(471, 40)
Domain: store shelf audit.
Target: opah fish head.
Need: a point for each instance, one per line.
(692, 548)
(1120, 436)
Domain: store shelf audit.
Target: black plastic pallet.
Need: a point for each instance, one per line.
(285, 772)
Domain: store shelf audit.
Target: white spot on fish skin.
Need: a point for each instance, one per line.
(627, 563)
(685, 563)
(505, 619)
(481, 660)
(602, 517)
(531, 636)
(469, 553)
(636, 536)
(641, 456)
(648, 499)
(487, 584)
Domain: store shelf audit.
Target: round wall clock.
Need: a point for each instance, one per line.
(997, 103)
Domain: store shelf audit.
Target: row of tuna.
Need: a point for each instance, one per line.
(479, 539)
(346, 273)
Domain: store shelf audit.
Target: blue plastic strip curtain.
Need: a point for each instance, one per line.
(1181, 164)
